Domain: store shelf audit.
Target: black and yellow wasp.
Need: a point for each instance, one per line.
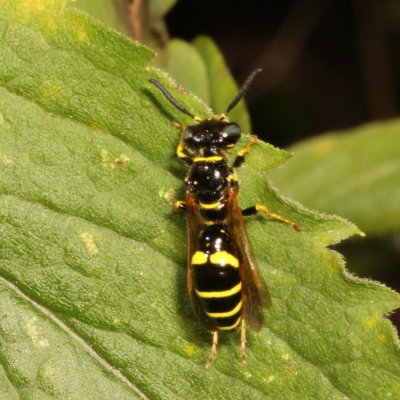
(225, 288)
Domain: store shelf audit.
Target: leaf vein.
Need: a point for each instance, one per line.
(73, 334)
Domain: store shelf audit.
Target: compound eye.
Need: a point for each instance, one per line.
(188, 135)
(232, 133)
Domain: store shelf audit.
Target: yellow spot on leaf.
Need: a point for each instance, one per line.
(82, 36)
(52, 22)
(292, 368)
(323, 147)
(78, 28)
(270, 379)
(50, 371)
(332, 269)
(33, 332)
(89, 242)
(54, 90)
(286, 356)
(47, 91)
(47, 11)
(116, 163)
(190, 350)
(104, 158)
(6, 160)
(323, 240)
(38, 4)
(121, 160)
(96, 127)
(383, 338)
(371, 322)
(168, 195)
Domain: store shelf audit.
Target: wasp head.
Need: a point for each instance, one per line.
(211, 134)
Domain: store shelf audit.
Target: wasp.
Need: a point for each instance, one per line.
(226, 290)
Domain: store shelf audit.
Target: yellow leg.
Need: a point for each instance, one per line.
(213, 349)
(180, 150)
(261, 208)
(248, 146)
(180, 206)
(178, 125)
(264, 210)
(239, 160)
(243, 342)
(224, 117)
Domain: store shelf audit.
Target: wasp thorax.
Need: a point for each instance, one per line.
(212, 133)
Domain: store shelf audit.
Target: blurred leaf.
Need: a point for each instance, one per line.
(158, 8)
(354, 174)
(93, 300)
(183, 62)
(116, 14)
(201, 69)
(111, 12)
(222, 87)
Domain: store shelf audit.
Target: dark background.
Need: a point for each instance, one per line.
(328, 65)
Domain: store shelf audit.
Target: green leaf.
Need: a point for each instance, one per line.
(355, 174)
(112, 13)
(183, 62)
(201, 68)
(222, 86)
(158, 8)
(93, 294)
(125, 17)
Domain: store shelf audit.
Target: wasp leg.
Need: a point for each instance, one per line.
(180, 206)
(243, 342)
(180, 150)
(261, 208)
(178, 125)
(239, 160)
(213, 349)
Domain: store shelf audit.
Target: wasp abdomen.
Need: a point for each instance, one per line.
(216, 277)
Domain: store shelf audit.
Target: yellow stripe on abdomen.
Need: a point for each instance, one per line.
(199, 258)
(223, 258)
(211, 159)
(226, 313)
(229, 328)
(210, 206)
(223, 293)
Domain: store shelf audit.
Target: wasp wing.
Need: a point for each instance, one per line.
(255, 291)
(195, 225)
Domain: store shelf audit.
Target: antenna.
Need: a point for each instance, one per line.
(243, 89)
(170, 98)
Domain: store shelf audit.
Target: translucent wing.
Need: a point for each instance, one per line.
(195, 225)
(255, 294)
